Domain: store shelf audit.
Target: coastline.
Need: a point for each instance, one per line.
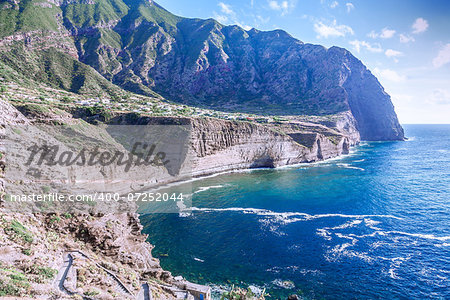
(231, 147)
(248, 170)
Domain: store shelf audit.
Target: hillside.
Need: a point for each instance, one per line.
(100, 45)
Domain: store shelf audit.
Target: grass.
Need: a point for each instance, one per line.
(91, 293)
(55, 219)
(27, 252)
(9, 289)
(45, 189)
(17, 230)
(15, 283)
(41, 274)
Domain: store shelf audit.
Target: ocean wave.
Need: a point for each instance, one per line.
(288, 217)
(348, 166)
(420, 235)
(347, 224)
(206, 188)
(285, 284)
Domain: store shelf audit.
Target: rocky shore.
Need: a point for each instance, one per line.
(99, 255)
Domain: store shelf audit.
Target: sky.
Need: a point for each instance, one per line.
(405, 43)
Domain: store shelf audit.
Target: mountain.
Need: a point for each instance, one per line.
(99, 45)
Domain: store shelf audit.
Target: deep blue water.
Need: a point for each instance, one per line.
(373, 224)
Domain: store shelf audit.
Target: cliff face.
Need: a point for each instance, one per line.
(212, 145)
(219, 145)
(143, 48)
(100, 252)
(223, 146)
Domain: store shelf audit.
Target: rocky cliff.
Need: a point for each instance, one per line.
(103, 255)
(220, 145)
(143, 48)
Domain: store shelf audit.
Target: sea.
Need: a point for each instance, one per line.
(374, 224)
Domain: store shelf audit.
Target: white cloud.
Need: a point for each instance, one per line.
(373, 34)
(406, 38)
(261, 20)
(358, 45)
(420, 25)
(443, 57)
(385, 33)
(220, 18)
(246, 27)
(334, 4)
(278, 6)
(283, 6)
(350, 7)
(333, 30)
(440, 97)
(389, 75)
(225, 8)
(393, 53)
(228, 16)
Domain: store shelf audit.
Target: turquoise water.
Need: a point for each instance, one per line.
(373, 224)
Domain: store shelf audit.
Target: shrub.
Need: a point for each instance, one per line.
(17, 229)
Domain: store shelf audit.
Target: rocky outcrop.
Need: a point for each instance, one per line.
(224, 146)
(110, 248)
(220, 146)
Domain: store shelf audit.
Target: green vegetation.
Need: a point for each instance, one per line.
(27, 252)
(91, 14)
(17, 131)
(91, 293)
(45, 189)
(56, 69)
(9, 289)
(42, 272)
(55, 219)
(237, 293)
(16, 230)
(15, 283)
(67, 216)
(17, 276)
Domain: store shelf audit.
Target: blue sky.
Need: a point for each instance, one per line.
(405, 43)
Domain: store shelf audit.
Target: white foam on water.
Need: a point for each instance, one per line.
(422, 236)
(288, 217)
(206, 188)
(347, 224)
(199, 260)
(360, 160)
(348, 166)
(324, 233)
(372, 224)
(285, 284)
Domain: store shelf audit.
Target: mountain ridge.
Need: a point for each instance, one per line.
(143, 48)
